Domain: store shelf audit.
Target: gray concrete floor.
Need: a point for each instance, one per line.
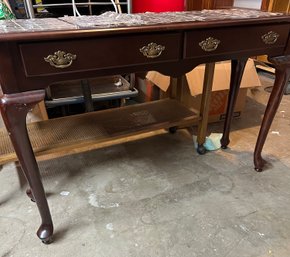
(158, 197)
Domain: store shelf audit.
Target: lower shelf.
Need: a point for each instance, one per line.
(72, 134)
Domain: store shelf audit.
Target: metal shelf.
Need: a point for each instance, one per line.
(30, 8)
(102, 89)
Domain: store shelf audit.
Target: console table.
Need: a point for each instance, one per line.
(36, 53)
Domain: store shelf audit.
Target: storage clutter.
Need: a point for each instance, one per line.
(192, 90)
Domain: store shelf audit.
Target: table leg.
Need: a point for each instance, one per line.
(14, 108)
(204, 107)
(238, 67)
(282, 65)
(87, 94)
(176, 85)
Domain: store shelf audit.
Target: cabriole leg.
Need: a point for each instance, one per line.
(282, 65)
(14, 108)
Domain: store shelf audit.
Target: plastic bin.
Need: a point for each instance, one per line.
(139, 6)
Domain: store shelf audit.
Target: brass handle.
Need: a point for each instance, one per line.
(210, 44)
(60, 59)
(152, 50)
(270, 38)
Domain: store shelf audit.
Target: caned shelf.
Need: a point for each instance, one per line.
(78, 133)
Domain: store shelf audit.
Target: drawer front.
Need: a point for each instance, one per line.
(98, 53)
(233, 40)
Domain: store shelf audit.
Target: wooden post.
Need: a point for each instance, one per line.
(204, 107)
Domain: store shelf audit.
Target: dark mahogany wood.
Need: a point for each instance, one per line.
(282, 65)
(24, 74)
(14, 108)
(30, 194)
(238, 67)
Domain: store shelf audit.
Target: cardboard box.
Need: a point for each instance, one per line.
(218, 103)
(191, 91)
(147, 91)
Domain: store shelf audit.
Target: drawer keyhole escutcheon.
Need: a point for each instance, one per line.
(210, 44)
(60, 59)
(152, 50)
(270, 38)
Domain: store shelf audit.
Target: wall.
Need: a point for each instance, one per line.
(248, 3)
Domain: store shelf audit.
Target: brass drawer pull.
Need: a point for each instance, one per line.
(152, 50)
(60, 59)
(210, 44)
(270, 38)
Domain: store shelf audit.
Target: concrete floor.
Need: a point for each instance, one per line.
(158, 197)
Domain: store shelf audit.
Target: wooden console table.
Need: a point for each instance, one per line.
(37, 53)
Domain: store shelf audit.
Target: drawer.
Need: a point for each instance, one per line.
(99, 53)
(234, 40)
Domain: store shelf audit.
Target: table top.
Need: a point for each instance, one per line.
(143, 21)
(37, 52)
